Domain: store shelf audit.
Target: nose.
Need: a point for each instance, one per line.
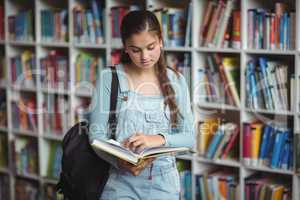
(145, 55)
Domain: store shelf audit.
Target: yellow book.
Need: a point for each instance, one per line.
(256, 131)
(78, 64)
(26, 57)
(205, 133)
(231, 70)
(277, 192)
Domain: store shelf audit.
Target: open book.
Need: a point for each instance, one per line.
(116, 149)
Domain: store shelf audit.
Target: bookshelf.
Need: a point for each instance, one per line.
(75, 97)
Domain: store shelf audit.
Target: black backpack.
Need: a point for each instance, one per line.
(84, 174)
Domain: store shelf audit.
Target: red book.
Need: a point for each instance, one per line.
(247, 143)
(231, 142)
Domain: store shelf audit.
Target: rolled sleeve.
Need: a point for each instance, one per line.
(184, 134)
(100, 105)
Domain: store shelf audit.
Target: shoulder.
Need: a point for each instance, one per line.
(175, 77)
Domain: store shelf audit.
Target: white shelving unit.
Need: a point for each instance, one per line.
(198, 164)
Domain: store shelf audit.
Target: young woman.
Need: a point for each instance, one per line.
(153, 110)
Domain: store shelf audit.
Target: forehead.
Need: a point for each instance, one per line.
(143, 38)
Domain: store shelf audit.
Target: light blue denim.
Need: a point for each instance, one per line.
(146, 114)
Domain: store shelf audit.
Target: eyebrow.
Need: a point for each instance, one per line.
(146, 45)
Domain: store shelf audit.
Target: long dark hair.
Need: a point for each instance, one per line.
(139, 21)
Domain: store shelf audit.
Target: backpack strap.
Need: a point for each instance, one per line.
(112, 121)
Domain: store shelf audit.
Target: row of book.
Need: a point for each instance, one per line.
(185, 176)
(259, 187)
(116, 15)
(21, 26)
(269, 84)
(54, 25)
(3, 150)
(2, 70)
(82, 109)
(3, 109)
(23, 68)
(54, 160)
(297, 145)
(4, 187)
(2, 30)
(271, 30)
(267, 144)
(56, 114)
(221, 25)
(26, 156)
(218, 140)
(218, 81)
(181, 62)
(89, 23)
(25, 189)
(24, 117)
(176, 25)
(87, 67)
(55, 70)
(218, 184)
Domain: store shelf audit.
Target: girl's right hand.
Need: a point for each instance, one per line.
(135, 169)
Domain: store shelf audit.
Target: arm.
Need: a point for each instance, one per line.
(184, 134)
(100, 105)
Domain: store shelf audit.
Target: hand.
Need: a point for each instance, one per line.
(139, 141)
(135, 169)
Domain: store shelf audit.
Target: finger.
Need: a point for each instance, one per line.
(126, 143)
(134, 138)
(141, 147)
(136, 145)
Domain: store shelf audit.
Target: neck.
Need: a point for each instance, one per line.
(138, 71)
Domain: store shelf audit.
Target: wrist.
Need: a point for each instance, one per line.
(162, 139)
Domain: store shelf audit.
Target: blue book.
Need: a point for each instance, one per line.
(264, 144)
(98, 20)
(266, 84)
(215, 142)
(278, 146)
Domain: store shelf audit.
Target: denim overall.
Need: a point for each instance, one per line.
(148, 115)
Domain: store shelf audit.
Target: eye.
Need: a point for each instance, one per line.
(135, 50)
(151, 47)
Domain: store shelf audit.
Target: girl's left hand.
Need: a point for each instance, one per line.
(140, 141)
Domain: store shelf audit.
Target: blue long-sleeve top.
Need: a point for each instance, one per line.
(140, 113)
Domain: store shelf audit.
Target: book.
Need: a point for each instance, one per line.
(116, 149)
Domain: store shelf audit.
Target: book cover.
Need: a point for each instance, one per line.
(116, 149)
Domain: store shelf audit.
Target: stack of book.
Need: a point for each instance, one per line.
(217, 184)
(54, 160)
(185, 175)
(21, 26)
(267, 145)
(218, 141)
(56, 114)
(176, 25)
(272, 30)
(218, 80)
(55, 70)
(82, 110)
(181, 62)
(88, 23)
(2, 30)
(24, 116)
(3, 151)
(4, 187)
(3, 109)
(269, 84)
(54, 25)
(26, 156)
(87, 67)
(221, 25)
(263, 187)
(23, 69)
(25, 189)
(116, 15)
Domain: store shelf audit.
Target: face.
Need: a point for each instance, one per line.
(143, 49)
